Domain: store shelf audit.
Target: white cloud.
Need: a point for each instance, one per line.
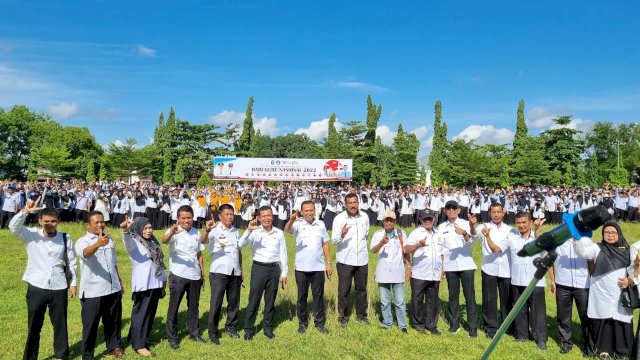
(420, 132)
(118, 143)
(357, 85)
(386, 135)
(145, 51)
(227, 117)
(62, 110)
(486, 134)
(317, 130)
(540, 117)
(266, 125)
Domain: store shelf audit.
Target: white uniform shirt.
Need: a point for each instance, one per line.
(570, 269)
(457, 254)
(309, 241)
(45, 256)
(390, 265)
(99, 276)
(225, 250)
(352, 249)
(604, 291)
(267, 247)
(427, 260)
(143, 273)
(522, 268)
(184, 247)
(495, 264)
(11, 202)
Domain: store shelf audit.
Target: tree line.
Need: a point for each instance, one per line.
(33, 144)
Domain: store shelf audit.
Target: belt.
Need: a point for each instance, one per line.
(273, 264)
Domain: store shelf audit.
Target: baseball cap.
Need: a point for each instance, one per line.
(389, 214)
(451, 203)
(427, 213)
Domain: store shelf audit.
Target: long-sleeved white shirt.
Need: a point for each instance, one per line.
(267, 247)
(495, 264)
(352, 248)
(99, 275)
(457, 254)
(143, 273)
(225, 250)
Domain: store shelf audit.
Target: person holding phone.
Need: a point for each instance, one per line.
(269, 268)
(312, 242)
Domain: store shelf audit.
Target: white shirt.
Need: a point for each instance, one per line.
(184, 247)
(570, 269)
(225, 250)
(495, 264)
(45, 256)
(143, 273)
(522, 268)
(310, 237)
(604, 291)
(352, 249)
(11, 202)
(99, 271)
(427, 261)
(267, 247)
(457, 253)
(390, 265)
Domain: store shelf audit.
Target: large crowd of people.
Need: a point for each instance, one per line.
(425, 237)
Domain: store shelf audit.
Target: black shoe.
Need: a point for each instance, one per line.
(343, 323)
(490, 335)
(404, 330)
(248, 335)
(198, 339)
(302, 329)
(174, 345)
(214, 340)
(232, 333)
(420, 330)
(454, 331)
(434, 331)
(269, 334)
(565, 348)
(542, 346)
(363, 321)
(473, 333)
(322, 330)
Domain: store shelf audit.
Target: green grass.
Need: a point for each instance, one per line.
(355, 342)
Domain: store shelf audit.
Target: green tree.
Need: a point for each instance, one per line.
(334, 142)
(91, 172)
(564, 149)
(52, 158)
(438, 156)
(179, 176)
(405, 150)
(16, 128)
(204, 180)
(248, 132)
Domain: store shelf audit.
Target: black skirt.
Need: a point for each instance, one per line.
(328, 219)
(612, 337)
(406, 220)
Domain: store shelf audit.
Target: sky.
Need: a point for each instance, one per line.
(113, 66)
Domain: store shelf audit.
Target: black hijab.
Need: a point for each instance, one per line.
(153, 247)
(612, 256)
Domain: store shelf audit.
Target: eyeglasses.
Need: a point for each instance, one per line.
(610, 232)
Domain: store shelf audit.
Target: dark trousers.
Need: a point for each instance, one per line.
(534, 311)
(221, 284)
(632, 214)
(565, 296)
(464, 212)
(37, 302)
(492, 286)
(612, 337)
(5, 217)
(178, 286)
(145, 305)
(454, 279)
(107, 308)
(359, 275)
(264, 279)
(315, 279)
(424, 291)
(80, 215)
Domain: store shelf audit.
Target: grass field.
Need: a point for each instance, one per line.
(355, 342)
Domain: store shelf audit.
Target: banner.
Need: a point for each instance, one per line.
(267, 169)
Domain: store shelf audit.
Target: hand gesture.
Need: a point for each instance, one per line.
(126, 225)
(624, 282)
(103, 239)
(473, 219)
(385, 239)
(30, 206)
(422, 242)
(538, 222)
(459, 230)
(210, 224)
(485, 231)
(253, 225)
(345, 229)
(294, 216)
(175, 229)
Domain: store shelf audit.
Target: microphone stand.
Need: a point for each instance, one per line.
(542, 265)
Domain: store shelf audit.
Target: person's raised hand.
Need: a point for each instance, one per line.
(103, 239)
(30, 206)
(345, 230)
(253, 225)
(473, 219)
(126, 225)
(485, 231)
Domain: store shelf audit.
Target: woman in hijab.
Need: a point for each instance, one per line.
(151, 211)
(139, 206)
(148, 279)
(611, 328)
(164, 216)
(120, 207)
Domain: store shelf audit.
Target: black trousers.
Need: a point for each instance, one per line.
(424, 291)
(178, 286)
(464, 212)
(37, 302)
(454, 279)
(632, 213)
(107, 308)
(221, 284)
(315, 279)
(565, 296)
(612, 336)
(534, 311)
(80, 215)
(143, 313)
(492, 286)
(359, 275)
(264, 279)
(5, 217)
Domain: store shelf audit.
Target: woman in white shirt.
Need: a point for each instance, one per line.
(611, 323)
(148, 279)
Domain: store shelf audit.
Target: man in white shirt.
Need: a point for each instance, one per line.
(312, 243)
(459, 267)
(350, 233)
(426, 246)
(100, 288)
(496, 276)
(10, 205)
(388, 243)
(269, 268)
(186, 274)
(45, 276)
(522, 272)
(225, 274)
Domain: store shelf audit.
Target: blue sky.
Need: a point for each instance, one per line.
(114, 65)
